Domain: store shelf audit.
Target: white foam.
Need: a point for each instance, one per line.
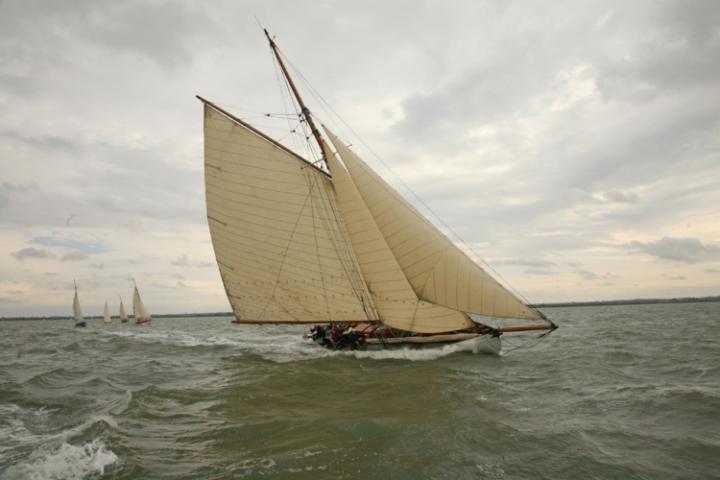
(411, 354)
(283, 345)
(13, 423)
(66, 462)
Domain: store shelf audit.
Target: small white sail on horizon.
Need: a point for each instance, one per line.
(106, 315)
(123, 315)
(139, 311)
(77, 311)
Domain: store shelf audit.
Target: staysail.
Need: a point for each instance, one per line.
(123, 315)
(106, 315)
(437, 269)
(139, 311)
(397, 304)
(279, 239)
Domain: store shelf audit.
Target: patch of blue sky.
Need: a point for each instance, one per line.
(88, 247)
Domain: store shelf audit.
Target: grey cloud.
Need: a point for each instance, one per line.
(620, 197)
(164, 33)
(587, 274)
(73, 257)
(17, 84)
(10, 191)
(97, 266)
(525, 262)
(686, 250)
(712, 270)
(31, 252)
(539, 271)
(83, 246)
(43, 142)
(11, 300)
(182, 261)
(677, 50)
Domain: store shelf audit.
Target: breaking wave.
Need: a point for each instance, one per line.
(66, 462)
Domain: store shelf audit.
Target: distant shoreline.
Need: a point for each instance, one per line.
(596, 303)
(635, 301)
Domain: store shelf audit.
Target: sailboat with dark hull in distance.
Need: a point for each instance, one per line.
(77, 311)
(329, 243)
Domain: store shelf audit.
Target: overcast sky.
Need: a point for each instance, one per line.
(573, 145)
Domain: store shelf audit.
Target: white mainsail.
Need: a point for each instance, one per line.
(278, 237)
(123, 315)
(139, 311)
(106, 315)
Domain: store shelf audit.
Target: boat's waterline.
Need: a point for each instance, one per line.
(487, 344)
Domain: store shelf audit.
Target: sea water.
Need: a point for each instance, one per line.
(618, 392)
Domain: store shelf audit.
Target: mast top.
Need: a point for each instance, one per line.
(305, 112)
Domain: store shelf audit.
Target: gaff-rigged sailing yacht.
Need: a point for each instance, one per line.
(77, 312)
(139, 311)
(337, 247)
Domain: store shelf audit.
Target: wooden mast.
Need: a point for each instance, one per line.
(303, 108)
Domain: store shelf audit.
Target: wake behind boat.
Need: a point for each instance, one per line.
(336, 246)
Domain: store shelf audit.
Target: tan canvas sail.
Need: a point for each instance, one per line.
(139, 311)
(438, 271)
(280, 243)
(396, 302)
(106, 315)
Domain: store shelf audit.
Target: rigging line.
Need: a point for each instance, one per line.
(282, 82)
(284, 256)
(318, 96)
(308, 146)
(308, 182)
(347, 261)
(361, 289)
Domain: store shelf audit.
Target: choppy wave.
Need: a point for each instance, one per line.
(199, 398)
(66, 462)
(43, 453)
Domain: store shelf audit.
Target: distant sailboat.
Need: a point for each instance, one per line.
(77, 312)
(123, 315)
(330, 242)
(106, 315)
(139, 311)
